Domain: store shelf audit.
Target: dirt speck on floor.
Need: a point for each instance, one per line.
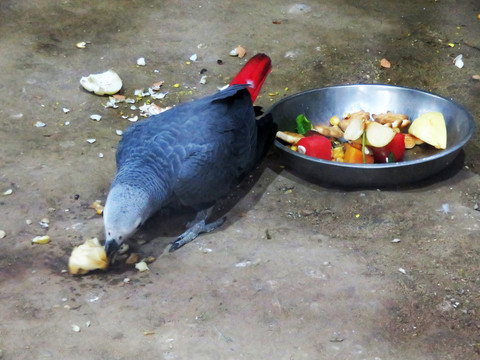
(299, 270)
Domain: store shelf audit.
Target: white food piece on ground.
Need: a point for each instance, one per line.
(75, 328)
(459, 61)
(107, 82)
(430, 128)
(141, 266)
(141, 61)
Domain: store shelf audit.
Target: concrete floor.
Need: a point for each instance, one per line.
(299, 270)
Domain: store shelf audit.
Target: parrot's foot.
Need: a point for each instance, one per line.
(194, 231)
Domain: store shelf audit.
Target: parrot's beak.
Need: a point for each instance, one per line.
(111, 248)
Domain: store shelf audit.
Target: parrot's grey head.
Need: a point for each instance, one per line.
(126, 209)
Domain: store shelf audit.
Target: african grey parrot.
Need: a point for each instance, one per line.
(192, 155)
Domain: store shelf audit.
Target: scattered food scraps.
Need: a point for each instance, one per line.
(385, 63)
(87, 257)
(149, 259)
(7, 192)
(107, 83)
(81, 45)
(150, 109)
(141, 61)
(445, 208)
(194, 57)
(238, 51)
(159, 95)
(141, 266)
(119, 98)
(40, 124)
(458, 61)
(96, 117)
(75, 328)
(156, 86)
(2, 234)
(132, 259)
(91, 141)
(45, 239)
(476, 77)
(44, 223)
(97, 206)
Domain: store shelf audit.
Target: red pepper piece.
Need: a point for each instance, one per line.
(317, 146)
(392, 152)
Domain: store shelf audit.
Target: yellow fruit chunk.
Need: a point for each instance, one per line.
(41, 239)
(430, 127)
(87, 257)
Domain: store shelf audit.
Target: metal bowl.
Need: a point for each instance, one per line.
(319, 105)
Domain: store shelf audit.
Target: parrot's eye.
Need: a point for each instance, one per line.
(109, 233)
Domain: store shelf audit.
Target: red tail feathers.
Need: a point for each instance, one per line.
(254, 74)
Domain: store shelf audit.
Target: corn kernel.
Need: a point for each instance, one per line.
(337, 152)
(334, 120)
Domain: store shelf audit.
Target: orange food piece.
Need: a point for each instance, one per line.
(385, 63)
(354, 155)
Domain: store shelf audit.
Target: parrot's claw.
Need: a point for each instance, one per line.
(194, 231)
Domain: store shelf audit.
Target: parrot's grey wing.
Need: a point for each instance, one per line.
(221, 149)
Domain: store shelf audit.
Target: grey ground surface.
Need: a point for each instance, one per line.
(299, 270)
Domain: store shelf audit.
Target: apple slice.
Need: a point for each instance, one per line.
(379, 135)
(355, 129)
(430, 127)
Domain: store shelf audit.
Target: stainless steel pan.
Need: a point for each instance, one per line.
(319, 105)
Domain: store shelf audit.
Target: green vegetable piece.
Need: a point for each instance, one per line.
(390, 158)
(364, 135)
(303, 125)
